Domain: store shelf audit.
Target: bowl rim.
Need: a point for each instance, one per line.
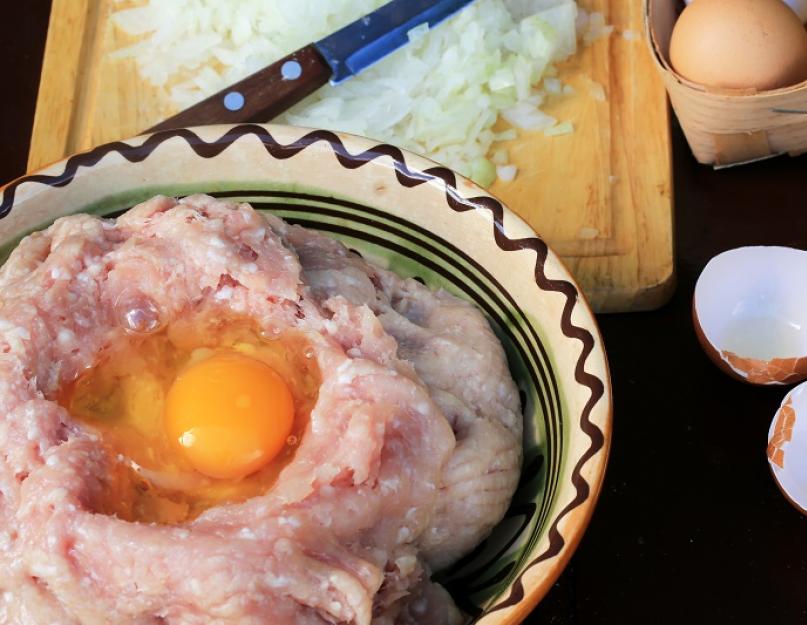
(408, 165)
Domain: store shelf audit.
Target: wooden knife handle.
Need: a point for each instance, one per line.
(259, 97)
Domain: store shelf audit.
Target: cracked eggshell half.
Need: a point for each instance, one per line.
(787, 447)
(750, 314)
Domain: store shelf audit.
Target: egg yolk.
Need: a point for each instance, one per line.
(230, 414)
(219, 385)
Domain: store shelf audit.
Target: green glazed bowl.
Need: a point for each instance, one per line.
(420, 220)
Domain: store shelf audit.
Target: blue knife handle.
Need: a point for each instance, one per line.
(260, 97)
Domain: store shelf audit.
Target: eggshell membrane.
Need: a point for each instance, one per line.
(755, 288)
(787, 447)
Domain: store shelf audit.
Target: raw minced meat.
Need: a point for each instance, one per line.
(411, 454)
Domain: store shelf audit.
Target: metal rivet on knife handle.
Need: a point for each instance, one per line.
(234, 101)
(260, 97)
(270, 91)
(291, 70)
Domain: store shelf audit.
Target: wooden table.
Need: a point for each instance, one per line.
(690, 527)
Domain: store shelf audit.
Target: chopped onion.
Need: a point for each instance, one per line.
(528, 117)
(596, 29)
(506, 173)
(500, 157)
(440, 95)
(553, 86)
(597, 91)
(506, 135)
(483, 171)
(564, 128)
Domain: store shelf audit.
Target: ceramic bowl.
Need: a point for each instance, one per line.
(420, 220)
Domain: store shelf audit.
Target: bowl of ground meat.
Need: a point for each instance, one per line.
(265, 374)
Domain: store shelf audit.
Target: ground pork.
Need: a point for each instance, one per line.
(411, 454)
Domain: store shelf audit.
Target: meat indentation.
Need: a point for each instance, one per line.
(226, 280)
(247, 253)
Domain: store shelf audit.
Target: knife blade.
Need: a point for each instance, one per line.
(272, 90)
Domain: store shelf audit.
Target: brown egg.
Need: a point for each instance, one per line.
(740, 44)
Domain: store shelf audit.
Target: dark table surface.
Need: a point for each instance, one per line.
(690, 527)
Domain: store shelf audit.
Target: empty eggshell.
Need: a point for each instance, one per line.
(787, 447)
(750, 313)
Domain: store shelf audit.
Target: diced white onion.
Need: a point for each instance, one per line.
(553, 86)
(596, 29)
(528, 117)
(597, 91)
(506, 135)
(440, 95)
(564, 128)
(500, 157)
(506, 173)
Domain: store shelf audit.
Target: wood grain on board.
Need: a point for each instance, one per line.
(601, 196)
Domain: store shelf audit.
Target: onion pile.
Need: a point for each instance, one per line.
(440, 96)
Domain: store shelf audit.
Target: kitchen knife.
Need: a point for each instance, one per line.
(273, 89)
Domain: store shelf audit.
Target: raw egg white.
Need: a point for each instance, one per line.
(740, 44)
(195, 423)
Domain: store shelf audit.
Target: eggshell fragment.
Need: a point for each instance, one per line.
(750, 314)
(787, 447)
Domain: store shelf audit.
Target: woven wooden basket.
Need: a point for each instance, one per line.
(727, 127)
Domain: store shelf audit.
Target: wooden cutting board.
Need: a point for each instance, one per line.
(601, 197)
